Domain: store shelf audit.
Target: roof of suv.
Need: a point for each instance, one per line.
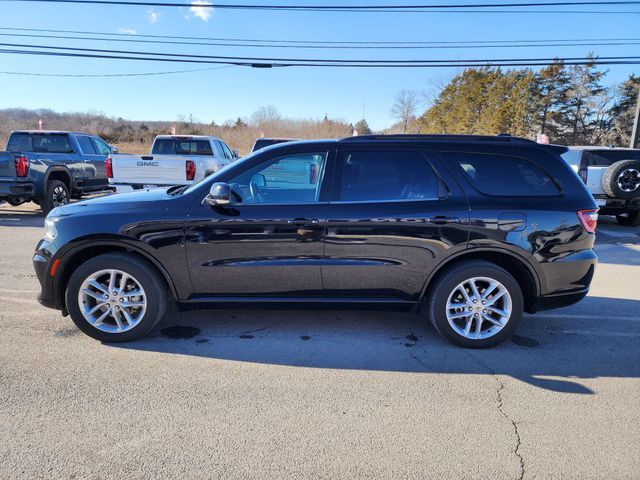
(589, 147)
(431, 138)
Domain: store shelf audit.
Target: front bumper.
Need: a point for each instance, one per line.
(42, 261)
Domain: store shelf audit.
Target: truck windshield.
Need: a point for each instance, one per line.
(39, 143)
(174, 146)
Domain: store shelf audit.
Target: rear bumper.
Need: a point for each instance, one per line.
(16, 189)
(549, 302)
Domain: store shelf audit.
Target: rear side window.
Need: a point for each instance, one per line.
(504, 175)
(171, 146)
(86, 145)
(606, 158)
(45, 143)
(387, 176)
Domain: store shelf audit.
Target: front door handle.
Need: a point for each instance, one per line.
(300, 222)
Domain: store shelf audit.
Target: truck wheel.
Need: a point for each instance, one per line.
(116, 297)
(631, 219)
(622, 179)
(476, 304)
(57, 194)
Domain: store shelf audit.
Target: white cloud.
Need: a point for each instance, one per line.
(129, 31)
(203, 13)
(153, 16)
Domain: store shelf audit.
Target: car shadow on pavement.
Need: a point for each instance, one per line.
(20, 217)
(557, 351)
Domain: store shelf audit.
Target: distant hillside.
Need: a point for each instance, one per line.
(136, 136)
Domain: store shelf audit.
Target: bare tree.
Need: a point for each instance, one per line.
(404, 107)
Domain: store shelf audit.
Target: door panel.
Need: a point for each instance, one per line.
(388, 247)
(255, 250)
(270, 242)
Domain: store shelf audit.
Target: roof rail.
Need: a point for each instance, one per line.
(480, 138)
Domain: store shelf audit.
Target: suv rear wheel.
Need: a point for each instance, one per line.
(56, 195)
(631, 219)
(476, 304)
(116, 297)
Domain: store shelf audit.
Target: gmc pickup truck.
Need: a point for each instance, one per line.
(50, 167)
(174, 160)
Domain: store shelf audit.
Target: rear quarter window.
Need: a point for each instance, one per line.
(504, 175)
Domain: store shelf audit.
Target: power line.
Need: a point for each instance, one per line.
(434, 45)
(627, 60)
(109, 75)
(354, 8)
(270, 60)
(330, 42)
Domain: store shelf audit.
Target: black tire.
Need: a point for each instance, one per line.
(626, 172)
(148, 278)
(631, 219)
(56, 194)
(446, 284)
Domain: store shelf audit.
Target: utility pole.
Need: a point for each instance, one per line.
(635, 134)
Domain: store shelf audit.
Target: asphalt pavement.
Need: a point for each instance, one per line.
(273, 393)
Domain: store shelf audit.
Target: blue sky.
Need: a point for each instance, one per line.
(227, 93)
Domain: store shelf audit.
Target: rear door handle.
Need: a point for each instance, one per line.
(442, 220)
(299, 222)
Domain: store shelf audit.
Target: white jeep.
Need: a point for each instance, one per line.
(612, 175)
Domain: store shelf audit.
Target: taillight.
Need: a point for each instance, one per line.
(22, 166)
(589, 219)
(109, 166)
(190, 169)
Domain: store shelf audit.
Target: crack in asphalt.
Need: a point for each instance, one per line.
(514, 424)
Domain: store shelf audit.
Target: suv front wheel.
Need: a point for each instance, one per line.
(476, 304)
(116, 297)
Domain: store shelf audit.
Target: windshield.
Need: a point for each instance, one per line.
(176, 146)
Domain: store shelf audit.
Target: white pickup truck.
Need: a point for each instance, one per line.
(174, 160)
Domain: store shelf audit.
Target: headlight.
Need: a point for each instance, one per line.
(50, 232)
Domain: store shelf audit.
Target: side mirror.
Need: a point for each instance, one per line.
(219, 195)
(234, 154)
(114, 150)
(259, 180)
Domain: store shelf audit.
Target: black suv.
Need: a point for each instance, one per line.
(476, 230)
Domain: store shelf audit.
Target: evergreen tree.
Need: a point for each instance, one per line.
(623, 112)
(550, 90)
(583, 98)
(362, 127)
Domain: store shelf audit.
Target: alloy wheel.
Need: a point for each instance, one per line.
(479, 308)
(629, 180)
(112, 301)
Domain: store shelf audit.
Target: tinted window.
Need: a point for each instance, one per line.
(605, 158)
(86, 146)
(293, 179)
(101, 147)
(387, 176)
(227, 152)
(172, 146)
(39, 143)
(495, 174)
(266, 142)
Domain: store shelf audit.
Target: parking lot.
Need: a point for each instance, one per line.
(268, 393)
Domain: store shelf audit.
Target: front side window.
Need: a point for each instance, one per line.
(291, 179)
(227, 152)
(388, 175)
(85, 145)
(504, 175)
(171, 146)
